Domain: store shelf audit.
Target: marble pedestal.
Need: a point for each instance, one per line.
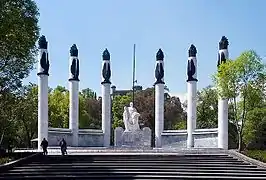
(133, 139)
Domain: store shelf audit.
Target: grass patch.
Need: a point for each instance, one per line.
(256, 154)
(4, 160)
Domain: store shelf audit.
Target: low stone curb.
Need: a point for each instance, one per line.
(126, 151)
(247, 159)
(70, 150)
(10, 165)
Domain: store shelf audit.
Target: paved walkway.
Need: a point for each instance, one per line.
(125, 151)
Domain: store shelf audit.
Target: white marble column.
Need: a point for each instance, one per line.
(106, 98)
(74, 111)
(223, 123)
(223, 102)
(191, 112)
(191, 95)
(43, 69)
(74, 94)
(159, 114)
(159, 98)
(106, 115)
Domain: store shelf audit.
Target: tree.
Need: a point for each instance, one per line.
(174, 113)
(7, 128)
(19, 115)
(145, 105)
(234, 80)
(26, 115)
(207, 113)
(118, 104)
(89, 112)
(207, 108)
(59, 108)
(88, 93)
(19, 32)
(181, 125)
(255, 130)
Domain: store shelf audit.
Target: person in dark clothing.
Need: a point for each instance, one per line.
(44, 145)
(63, 146)
(9, 147)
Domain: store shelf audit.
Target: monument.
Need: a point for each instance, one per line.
(43, 73)
(132, 136)
(159, 98)
(131, 118)
(74, 94)
(223, 55)
(192, 95)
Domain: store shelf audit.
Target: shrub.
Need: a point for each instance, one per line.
(256, 154)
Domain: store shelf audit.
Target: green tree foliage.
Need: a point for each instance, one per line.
(118, 104)
(88, 94)
(89, 109)
(254, 134)
(90, 112)
(59, 107)
(7, 127)
(207, 108)
(174, 113)
(19, 32)
(237, 80)
(26, 117)
(181, 125)
(207, 113)
(19, 114)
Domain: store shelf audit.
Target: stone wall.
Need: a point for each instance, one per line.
(134, 139)
(87, 137)
(203, 138)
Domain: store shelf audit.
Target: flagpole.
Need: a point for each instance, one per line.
(134, 64)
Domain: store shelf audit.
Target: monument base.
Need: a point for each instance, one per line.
(132, 139)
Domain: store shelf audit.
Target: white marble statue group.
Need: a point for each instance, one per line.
(131, 118)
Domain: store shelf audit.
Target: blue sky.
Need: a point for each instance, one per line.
(151, 24)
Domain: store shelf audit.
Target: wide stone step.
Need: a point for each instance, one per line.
(129, 169)
(92, 167)
(162, 163)
(142, 155)
(181, 166)
(78, 165)
(111, 173)
(194, 156)
(131, 177)
(144, 161)
(135, 177)
(139, 159)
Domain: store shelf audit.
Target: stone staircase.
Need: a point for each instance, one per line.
(132, 166)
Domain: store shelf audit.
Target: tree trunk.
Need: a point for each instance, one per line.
(239, 142)
(2, 137)
(242, 122)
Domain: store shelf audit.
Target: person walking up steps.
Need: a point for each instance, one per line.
(44, 146)
(63, 146)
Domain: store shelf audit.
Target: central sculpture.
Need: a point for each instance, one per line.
(132, 136)
(131, 118)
